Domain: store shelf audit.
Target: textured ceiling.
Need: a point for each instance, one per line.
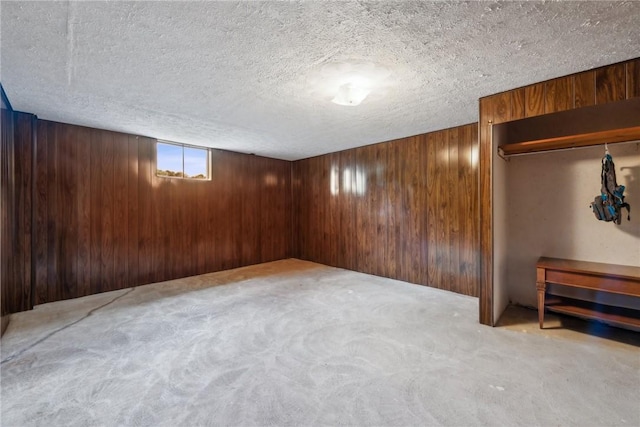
(257, 77)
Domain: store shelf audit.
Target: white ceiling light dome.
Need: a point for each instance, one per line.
(349, 83)
(350, 94)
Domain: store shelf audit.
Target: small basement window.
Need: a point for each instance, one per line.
(181, 161)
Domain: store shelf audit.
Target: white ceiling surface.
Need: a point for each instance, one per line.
(248, 76)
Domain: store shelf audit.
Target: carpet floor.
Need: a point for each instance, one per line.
(297, 343)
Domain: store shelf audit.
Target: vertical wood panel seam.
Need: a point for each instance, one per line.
(34, 177)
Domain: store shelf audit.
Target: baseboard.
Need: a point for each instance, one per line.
(5, 323)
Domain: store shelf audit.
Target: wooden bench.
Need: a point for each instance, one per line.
(607, 278)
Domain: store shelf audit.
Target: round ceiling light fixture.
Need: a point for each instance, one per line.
(350, 94)
(349, 83)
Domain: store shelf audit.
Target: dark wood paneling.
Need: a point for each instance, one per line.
(133, 235)
(24, 180)
(121, 210)
(267, 189)
(468, 205)
(534, 100)
(612, 116)
(430, 161)
(66, 188)
(392, 214)
(332, 213)
(493, 110)
(95, 209)
(146, 217)
(611, 83)
(346, 207)
(379, 215)
(296, 206)
(441, 211)
(16, 203)
(558, 95)
(518, 102)
(420, 161)
(104, 221)
(453, 213)
(41, 214)
(52, 237)
(364, 232)
(107, 208)
(585, 89)
(633, 79)
(7, 204)
(83, 208)
(409, 210)
(205, 227)
(485, 289)
(250, 231)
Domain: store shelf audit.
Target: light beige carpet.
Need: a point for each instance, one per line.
(297, 343)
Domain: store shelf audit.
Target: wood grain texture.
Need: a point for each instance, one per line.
(597, 277)
(104, 221)
(453, 213)
(24, 128)
(468, 204)
(364, 233)
(413, 186)
(534, 100)
(558, 95)
(591, 268)
(7, 209)
(574, 141)
(145, 211)
(16, 199)
(392, 214)
(107, 208)
(494, 109)
(67, 195)
(611, 83)
(332, 214)
(633, 79)
(95, 207)
(378, 242)
(133, 235)
(584, 89)
(41, 214)
(442, 211)
(432, 270)
(52, 239)
(82, 204)
(121, 210)
(346, 208)
(393, 203)
(519, 103)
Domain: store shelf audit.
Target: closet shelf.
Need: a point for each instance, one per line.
(572, 141)
(614, 122)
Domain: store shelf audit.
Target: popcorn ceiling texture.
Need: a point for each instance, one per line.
(242, 75)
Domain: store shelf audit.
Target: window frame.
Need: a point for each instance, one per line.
(182, 146)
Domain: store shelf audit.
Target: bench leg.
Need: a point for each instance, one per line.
(541, 286)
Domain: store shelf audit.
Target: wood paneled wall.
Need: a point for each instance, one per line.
(104, 221)
(405, 209)
(599, 86)
(17, 155)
